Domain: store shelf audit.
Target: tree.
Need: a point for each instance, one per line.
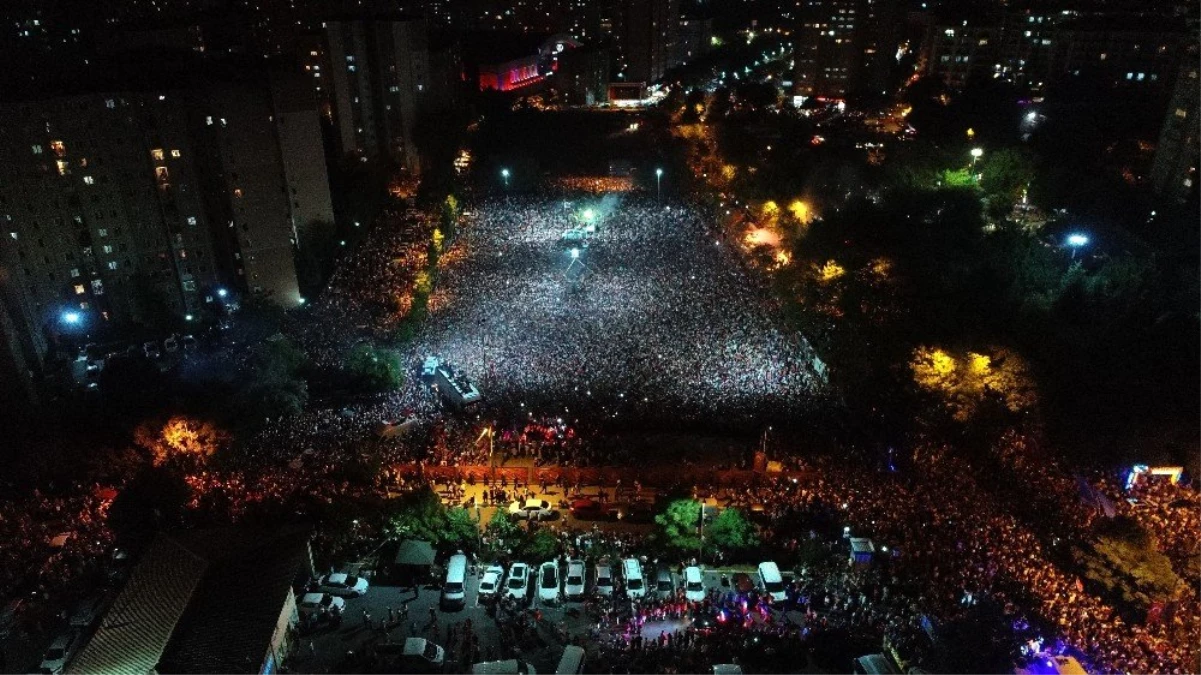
(730, 530)
(1005, 173)
(541, 545)
(181, 436)
(1125, 561)
(422, 515)
(374, 369)
(273, 387)
(979, 641)
(157, 496)
(679, 525)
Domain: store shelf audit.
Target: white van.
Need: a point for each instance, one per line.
(635, 584)
(572, 661)
(694, 584)
(506, 667)
(454, 590)
(771, 581)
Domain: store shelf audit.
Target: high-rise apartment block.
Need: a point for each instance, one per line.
(122, 207)
(1178, 154)
(845, 47)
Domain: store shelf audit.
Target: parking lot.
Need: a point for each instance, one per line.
(406, 612)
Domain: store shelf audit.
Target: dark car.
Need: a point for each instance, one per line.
(592, 509)
(639, 512)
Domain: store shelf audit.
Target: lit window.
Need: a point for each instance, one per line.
(238, 193)
(209, 120)
(80, 289)
(157, 154)
(1181, 113)
(183, 254)
(88, 180)
(112, 264)
(191, 220)
(58, 147)
(97, 287)
(74, 272)
(37, 149)
(110, 103)
(63, 167)
(102, 232)
(107, 248)
(175, 154)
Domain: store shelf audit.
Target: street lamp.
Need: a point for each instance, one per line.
(659, 183)
(504, 173)
(221, 292)
(976, 153)
(71, 318)
(1076, 240)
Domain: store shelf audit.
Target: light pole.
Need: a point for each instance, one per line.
(659, 183)
(504, 173)
(1076, 240)
(976, 154)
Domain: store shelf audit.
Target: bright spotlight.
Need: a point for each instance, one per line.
(221, 292)
(1077, 240)
(71, 317)
(977, 152)
(575, 253)
(589, 214)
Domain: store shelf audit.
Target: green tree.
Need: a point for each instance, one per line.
(374, 369)
(679, 524)
(542, 544)
(957, 178)
(1125, 561)
(273, 387)
(1005, 173)
(730, 530)
(461, 530)
(421, 515)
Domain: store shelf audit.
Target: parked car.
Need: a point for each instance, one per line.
(518, 584)
(639, 512)
(635, 584)
(603, 585)
(665, 583)
(343, 585)
(548, 583)
(593, 509)
(490, 582)
(694, 584)
(320, 605)
(573, 586)
(60, 651)
(533, 509)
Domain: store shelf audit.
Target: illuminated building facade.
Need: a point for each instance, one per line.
(1174, 171)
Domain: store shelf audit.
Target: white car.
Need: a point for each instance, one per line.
(573, 585)
(344, 585)
(518, 584)
(59, 652)
(694, 584)
(548, 583)
(321, 604)
(490, 582)
(604, 580)
(533, 509)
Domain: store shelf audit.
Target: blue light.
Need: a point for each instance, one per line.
(71, 317)
(221, 292)
(1077, 239)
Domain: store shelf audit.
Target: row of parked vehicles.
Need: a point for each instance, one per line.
(553, 584)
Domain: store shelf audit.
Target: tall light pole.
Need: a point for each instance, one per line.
(976, 154)
(1076, 240)
(659, 183)
(504, 173)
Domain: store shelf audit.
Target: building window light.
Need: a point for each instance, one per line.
(74, 272)
(191, 220)
(58, 147)
(37, 149)
(112, 264)
(157, 154)
(63, 167)
(175, 154)
(88, 180)
(80, 289)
